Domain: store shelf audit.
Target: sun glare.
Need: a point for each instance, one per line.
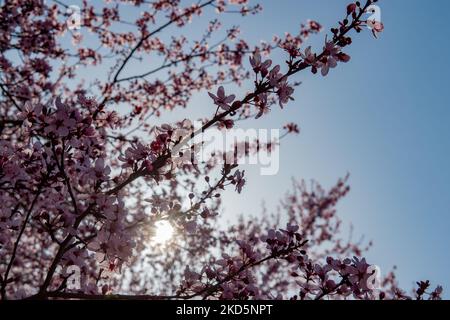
(163, 232)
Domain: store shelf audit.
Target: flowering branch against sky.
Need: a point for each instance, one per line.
(91, 185)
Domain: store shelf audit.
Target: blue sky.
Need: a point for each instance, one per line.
(383, 118)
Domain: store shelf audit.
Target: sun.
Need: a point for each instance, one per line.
(163, 232)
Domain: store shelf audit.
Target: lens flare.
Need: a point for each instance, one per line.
(163, 232)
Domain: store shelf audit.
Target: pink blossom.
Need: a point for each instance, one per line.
(258, 65)
(133, 154)
(309, 57)
(29, 113)
(376, 26)
(191, 276)
(101, 171)
(239, 180)
(333, 54)
(275, 76)
(284, 92)
(221, 99)
(61, 122)
(190, 226)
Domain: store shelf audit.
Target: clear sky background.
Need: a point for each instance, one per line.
(383, 118)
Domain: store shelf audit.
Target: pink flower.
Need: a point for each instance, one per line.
(271, 235)
(190, 226)
(262, 110)
(133, 154)
(326, 63)
(238, 178)
(248, 250)
(291, 228)
(292, 128)
(275, 76)
(221, 99)
(261, 104)
(106, 206)
(309, 57)
(284, 92)
(330, 58)
(376, 26)
(333, 54)
(436, 294)
(29, 113)
(258, 65)
(61, 122)
(314, 26)
(101, 171)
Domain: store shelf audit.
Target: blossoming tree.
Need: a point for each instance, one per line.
(86, 181)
